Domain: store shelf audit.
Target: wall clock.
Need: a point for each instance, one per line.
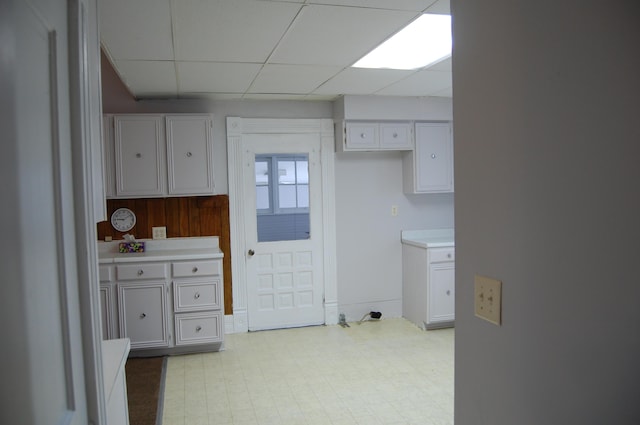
(123, 219)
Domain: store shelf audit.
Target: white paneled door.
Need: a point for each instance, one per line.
(283, 232)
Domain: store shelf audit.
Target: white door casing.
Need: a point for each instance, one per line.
(52, 361)
(252, 297)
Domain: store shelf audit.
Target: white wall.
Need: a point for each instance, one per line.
(367, 185)
(369, 252)
(547, 200)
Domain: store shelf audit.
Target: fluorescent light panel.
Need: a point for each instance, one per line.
(423, 42)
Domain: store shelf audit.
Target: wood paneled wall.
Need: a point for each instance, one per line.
(183, 217)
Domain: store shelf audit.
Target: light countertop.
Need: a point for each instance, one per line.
(429, 238)
(162, 250)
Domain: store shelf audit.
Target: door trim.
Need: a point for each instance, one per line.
(236, 128)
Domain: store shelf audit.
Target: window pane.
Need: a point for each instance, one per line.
(287, 196)
(262, 173)
(262, 198)
(303, 196)
(286, 172)
(302, 169)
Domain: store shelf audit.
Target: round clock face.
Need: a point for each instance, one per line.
(123, 219)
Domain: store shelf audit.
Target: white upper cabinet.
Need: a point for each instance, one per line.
(373, 136)
(189, 154)
(139, 155)
(429, 167)
(159, 155)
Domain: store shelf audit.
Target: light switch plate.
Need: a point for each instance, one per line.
(488, 299)
(159, 232)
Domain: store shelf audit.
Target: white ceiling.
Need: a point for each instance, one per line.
(262, 49)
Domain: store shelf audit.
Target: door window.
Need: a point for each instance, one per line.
(282, 197)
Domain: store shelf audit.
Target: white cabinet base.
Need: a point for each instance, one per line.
(428, 286)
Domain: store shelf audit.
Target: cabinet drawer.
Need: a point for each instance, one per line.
(198, 328)
(362, 135)
(106, 274)
(197, 268)
(140, 271)
(395, 136)
(438, 255)
(199, 295)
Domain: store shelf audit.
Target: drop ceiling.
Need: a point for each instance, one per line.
(262, 49)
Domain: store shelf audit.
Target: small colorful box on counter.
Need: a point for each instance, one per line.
(128, 247)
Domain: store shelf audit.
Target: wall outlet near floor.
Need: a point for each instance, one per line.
(488, 299)
(159, 232)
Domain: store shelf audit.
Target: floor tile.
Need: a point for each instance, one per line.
(386, 372)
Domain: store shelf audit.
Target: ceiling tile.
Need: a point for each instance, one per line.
(443, 65)
(440, 7)
(136, 30)
(414, 5)
(215, 77)
(230, 30)
(421, 83)
(334, 35)
(156, 78)
(361, 81)
(301, 79)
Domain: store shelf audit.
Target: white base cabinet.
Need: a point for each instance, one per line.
(428, 285)
(143, 313)
(168, 300)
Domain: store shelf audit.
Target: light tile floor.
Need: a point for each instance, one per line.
(378, 372)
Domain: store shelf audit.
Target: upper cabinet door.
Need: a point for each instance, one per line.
(139, 155)
(429, 168)
(190, 154)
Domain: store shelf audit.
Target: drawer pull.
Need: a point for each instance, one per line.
(195, 270)
(196, 295)
(140, 272)
(198, 328)
(395, 135)
(189, 154)
(143, 315)
(433, 156)
(449, 255)
(138, 155)
(363, 136)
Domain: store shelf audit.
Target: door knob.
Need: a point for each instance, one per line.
(251, 252)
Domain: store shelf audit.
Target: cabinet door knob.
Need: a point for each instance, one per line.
(433, 156)
(140, 272)
(196, 295)
(448, 292)
(449, 255)
(251, 252)
(198, 328)
(195, 270)
(143, 315)
(395, 135)
(363, 136)
(189, 154)
(138, 155)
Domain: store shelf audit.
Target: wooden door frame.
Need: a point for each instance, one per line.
(237, 320)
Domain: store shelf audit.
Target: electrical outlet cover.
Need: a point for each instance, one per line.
(159, 232)
(488, 299)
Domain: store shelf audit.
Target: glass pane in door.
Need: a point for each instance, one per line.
(282, 197)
